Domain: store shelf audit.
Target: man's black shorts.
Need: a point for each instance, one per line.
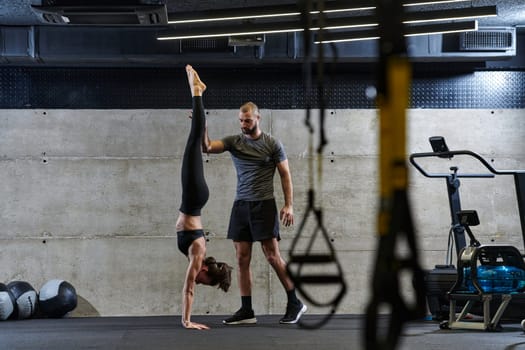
(252, 221)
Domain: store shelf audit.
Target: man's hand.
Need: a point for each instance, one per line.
(286, 215)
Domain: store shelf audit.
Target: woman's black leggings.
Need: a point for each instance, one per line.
(194, 188)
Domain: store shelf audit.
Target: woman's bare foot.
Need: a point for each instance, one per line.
(197, 87)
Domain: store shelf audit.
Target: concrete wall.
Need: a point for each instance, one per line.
(91, 196)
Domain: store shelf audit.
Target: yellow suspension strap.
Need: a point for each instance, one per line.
(394, 219)
(313, 264)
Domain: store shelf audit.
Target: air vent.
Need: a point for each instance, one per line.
(205, 45)
(104, 15)
(488, 39)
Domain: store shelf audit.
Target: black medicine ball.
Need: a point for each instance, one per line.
(57, 298)
(25, 299)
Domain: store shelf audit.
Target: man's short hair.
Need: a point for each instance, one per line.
(250, 106)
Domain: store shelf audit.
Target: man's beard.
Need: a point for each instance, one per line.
(248, 131)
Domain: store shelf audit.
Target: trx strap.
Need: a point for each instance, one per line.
(394, 219)
(302, 260)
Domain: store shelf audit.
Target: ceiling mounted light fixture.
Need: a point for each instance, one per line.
(451, 14)
(266, 12)
(289, 21)
(441, 28)
(288, 10)
(268, 28)
(233, 14)
(372, 34)
(233, 30)
(430, 2)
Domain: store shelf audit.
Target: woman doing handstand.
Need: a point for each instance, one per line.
(190, 234)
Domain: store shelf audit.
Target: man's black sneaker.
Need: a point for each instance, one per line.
(241, 317)
(293, 313)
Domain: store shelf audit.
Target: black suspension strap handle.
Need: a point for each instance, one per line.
(300, 262)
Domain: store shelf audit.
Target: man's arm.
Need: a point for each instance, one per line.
(211, 146)
(286, 214)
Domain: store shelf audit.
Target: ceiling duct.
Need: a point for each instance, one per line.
(135, 45)
(103, 14)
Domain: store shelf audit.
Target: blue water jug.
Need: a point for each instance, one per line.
(496, 279)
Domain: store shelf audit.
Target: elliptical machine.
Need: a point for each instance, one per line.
(445, 281)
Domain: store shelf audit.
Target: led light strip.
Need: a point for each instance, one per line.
(266, 12)
(268, 28)
(371, 34)
(286, 11)
(244, 29)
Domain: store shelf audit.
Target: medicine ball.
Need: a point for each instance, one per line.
(57, 298)
(25, 299)
(7, 302)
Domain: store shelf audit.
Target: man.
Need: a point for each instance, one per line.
(256, 155)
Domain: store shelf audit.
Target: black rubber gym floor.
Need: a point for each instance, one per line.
(165, 332)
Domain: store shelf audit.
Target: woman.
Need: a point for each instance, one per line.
(190, 234)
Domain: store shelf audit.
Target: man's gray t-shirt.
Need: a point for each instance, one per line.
(255, 162)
